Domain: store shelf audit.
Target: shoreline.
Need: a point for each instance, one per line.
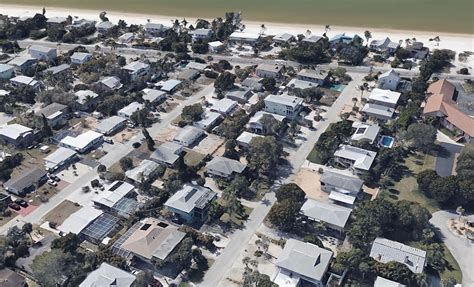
(458, 42)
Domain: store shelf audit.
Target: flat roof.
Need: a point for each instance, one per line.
(378, 110)
(14, 131)
(284, 100)
(385, 96)
(244, 36)
(80, 219)
(114, 193)
(82, 140)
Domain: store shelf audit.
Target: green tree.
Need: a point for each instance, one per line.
(27, 228)
(126, 163)
(421, 135)
(269, 84)
(367, 36)
(192, 113)
(68, 243)
(144, 279)
(225, 81)
(290, 191)
(182, 257)
(50, 268)
(149, 140)
(285, 214)
(47, 131)
(264, 154)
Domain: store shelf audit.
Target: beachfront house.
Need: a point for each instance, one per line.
(244, 37)
(155, 29)
(201, 34)
(283, 38)
(191, 203)
(42, 53)
(313, 39)
(389, 80)
(417, 51)
(384, 251)
(384, 45)
(104, 27)
(283, 105)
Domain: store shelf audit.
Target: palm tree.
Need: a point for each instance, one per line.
(327, 28)
(262, 29)
(27, 228)
(460, 211)
(367, 36)
(184, 22)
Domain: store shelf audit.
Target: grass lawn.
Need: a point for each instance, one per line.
(192, 158)
(407, 187)
(313, 156)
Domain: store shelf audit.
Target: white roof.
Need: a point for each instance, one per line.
(260, 114)
(126, 36)
(152, 95)
(282, 37)
(362, 158)
(80, 56)
(5, 67)
(82, 140)
(113, 193)
(105, 25)
(144, 170)
(57, 20)
(385, 96)
(188, 135)
(84, 94)
(196, 66)
(108, 275)
(108, 124)
(224, 105)
(80, 219)
(244, 36)
(136, 66)
(246, 137)
(390, 73)
(59, 156)
(378, 110)
(326, 212)
(202, 32)
(41, 48)
(384, 250)
(215, 44)
(284, 100)
(14, 131)
(207, 119)
(365, 131)
(169, 85)
(382, 282)
(24, 80)
(189, 197)
(18, 61)
(301, 84)
(130, 109)
(112, 82)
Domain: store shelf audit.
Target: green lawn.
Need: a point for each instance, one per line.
(407, 187)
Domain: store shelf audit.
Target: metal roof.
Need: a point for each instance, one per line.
(326, 212)
(384, 250)
(190, 197)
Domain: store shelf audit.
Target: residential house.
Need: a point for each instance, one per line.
(200, 67)
(111, 83)
(224, 167)
(111, 125)
(16, 135)
(333, 216)
(341, 186)
(42, 53)
(365, 132)
(417, 50)
(10, 278)
(384, 251)
(144, 172)
(216, 46)
(83, 142)
(382, 113)
(208, 120)
(283, 38)
(126, 38)
(59, 158)
(312, 39)
(269, 71)
(55, 113)
(256, 125)
(354, 157)
(81, 26)
(25, 182)
(108, 275)
(104, 27)
(389, 80)
(85, 100)
(241, 95)
(382, 282)
(384, 45)
(22, 62)
(57, 70)
(118, 198)
(244, 37)
(21, 81)
(224, 106)
(295, 83)
(341, 39)
(80, 58)
(283, 105)
(127, 111)
(169, 86)
(6, 71)
(441, 104)
(201, 34)
(167, 154)
(56, 22)
(149, 240)
(191, 203)
(137, 69)
(188, 75)
(244, 139)
(319, 77)
(385, 98)
(302, 264)
(188, 136)
(155, 29)
(253, 84)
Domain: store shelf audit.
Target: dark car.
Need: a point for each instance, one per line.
(136, 145)
(14, 206)
(21, 202)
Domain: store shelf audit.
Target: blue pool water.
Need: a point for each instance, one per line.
(387, 141)
(338, 88)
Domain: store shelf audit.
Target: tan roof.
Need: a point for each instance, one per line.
(154, 239)
(441, 99)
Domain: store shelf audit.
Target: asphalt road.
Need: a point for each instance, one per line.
(461, 248)
(238, 240)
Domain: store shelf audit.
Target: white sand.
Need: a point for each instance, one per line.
(452, 41)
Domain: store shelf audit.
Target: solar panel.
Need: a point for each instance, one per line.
(101, 227)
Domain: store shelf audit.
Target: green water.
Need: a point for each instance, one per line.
(421, 15)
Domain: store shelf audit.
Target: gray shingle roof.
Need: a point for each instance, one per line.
(384, 250)
(25, 179)
(108, 275)
(325, 212)
(342, 181)
(190, 197)
(225, 165)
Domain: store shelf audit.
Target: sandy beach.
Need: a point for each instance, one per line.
(452, 41)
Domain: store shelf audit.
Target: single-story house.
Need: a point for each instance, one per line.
(17, 135)
(302, 264)
(22, 62)
(379, 112)
(441, 104)
(126, 38)
(216, 46)
(169, 86)
(208, 120)
(319, 77)
(104, 27)
(111, 125)
(255, 123)
(59, 158)
(224, 167)
(83, 142)
(118, 198)
(146, 171)
(111, 83)
(197, 66)
(283, 38)
(312, 39)
(342, 187)
(127, 111)
(56, 70)
(81, 25)
(269, 70)
(55, 113)
(136, 69)
(153, 96)
(188, 136)
(253, 84)
(224, 106)
(26, 182)
(417, 50)
(244, 37)
(384, 45)
(85, 99)
(167, 153)
(244, 139)
(42, 53)
(333, 216)
(382, 282)
(80, 58)
(79, 220)
(56, 21)
(341, 39)
(239, 95)
(6, 71)
(384, 250)
(283, 105)
(108, 275)
(191, 203)
(300, 84)
(149, 240)
(384, 97)
(365, 131)
(389, 80)
(25, 81)
(354, 157)
(188, 75)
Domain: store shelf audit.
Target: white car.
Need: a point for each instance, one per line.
(52, 182)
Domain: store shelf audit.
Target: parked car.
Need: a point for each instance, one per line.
(14, 206)
(108, 140)
(136, 145)
(21, 202)
(52, 182)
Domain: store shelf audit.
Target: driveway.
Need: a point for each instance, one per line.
(461, 248)
(445, 160)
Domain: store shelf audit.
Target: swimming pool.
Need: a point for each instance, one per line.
(386, 141)
(338, 88)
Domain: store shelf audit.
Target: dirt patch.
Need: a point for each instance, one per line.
(61, 212)
(125, 135)
(209, 144)
(166, 134)
(308, 180)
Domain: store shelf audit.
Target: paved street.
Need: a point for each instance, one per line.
(238, 240)
(461, 248)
